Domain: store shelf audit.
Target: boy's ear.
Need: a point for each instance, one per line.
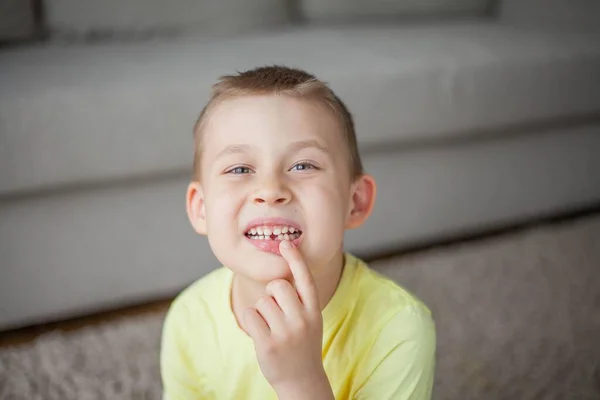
(364, 191)
(195, 207)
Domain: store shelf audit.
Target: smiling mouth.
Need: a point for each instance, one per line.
(273, 233)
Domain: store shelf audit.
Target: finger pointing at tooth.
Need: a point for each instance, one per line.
(303, 278)
(286, 324)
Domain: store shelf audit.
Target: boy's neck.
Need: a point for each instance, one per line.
(245, 292)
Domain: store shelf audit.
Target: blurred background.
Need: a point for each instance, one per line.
(474, 116)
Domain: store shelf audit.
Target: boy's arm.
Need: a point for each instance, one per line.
(178, 381)
(401, 363)
(318, 389)
(287, 329)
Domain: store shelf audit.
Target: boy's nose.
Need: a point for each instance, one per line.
(272, 194)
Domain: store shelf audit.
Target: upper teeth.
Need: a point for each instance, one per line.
(269, 230)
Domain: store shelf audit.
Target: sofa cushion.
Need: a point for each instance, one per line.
(318, 10)
(73, 115)
(16, 20)
(122, 17)
(558, 15)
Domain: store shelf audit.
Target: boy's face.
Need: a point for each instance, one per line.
(271, 164)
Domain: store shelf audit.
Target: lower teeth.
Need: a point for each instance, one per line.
(291, 236)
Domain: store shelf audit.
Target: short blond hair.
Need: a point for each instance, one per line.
(282, 81)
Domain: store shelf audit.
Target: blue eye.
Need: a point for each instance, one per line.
(303, 166)
(239, 171)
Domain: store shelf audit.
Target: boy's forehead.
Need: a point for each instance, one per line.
(270, 117)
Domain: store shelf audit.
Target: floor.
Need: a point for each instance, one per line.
(513, 314)
(25, 335)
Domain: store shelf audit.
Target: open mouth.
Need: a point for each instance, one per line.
(282, 232)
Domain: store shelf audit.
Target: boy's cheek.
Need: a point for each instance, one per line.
(327, 204)
(323, 190)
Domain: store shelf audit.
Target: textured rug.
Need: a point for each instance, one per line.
(518, 317)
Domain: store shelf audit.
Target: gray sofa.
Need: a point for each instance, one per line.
(471, 114)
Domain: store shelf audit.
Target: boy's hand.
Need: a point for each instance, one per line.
(287, 328)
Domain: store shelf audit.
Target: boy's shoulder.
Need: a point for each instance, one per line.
(200, 296)
(207, 286)
(380, 307)
(370, 280)
(373, 292)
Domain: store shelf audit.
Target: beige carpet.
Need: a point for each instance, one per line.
(518, 317)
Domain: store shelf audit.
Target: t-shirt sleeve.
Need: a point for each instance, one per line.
(180, 382)
(401, 362)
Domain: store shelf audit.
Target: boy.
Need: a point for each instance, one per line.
(277, 179)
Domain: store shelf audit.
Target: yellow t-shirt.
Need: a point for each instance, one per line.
(378, 342)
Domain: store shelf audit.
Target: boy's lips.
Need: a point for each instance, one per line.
(267, 233)
(271, 222)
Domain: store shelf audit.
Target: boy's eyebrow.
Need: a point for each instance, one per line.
(234, 149)
(294, 146)
(302, 144)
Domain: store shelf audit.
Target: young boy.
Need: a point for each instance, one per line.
(277, 180)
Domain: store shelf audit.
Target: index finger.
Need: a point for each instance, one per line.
(305, 282)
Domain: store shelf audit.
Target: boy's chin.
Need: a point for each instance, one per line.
(264, 267)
